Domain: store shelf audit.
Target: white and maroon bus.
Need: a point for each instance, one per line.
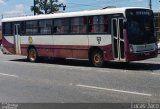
(113, 34)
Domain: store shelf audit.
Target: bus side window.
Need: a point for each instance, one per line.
(22, 29)
(32, 27)
(93, 24)
(75, 25)
(19, 30)
(79, 25)
(45, 26)
(98, 24)
(61, 26)
(55, 29)
(7, 29)
(103, 22)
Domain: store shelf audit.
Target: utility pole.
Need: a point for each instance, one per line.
(2, 16)
(51, 2)
(64, 7)
(46, 8)
(150, 4)
(34, 6)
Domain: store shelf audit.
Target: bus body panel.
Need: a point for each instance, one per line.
(71, 46)
(100, 40)
(8, 45)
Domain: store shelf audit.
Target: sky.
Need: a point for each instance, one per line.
(9, 8)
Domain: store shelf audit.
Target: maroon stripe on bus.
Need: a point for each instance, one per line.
(9, 46)
(67, 51)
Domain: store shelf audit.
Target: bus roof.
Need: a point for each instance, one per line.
(71, 14)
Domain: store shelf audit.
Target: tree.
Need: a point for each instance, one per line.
(46, 6)
(36, 8)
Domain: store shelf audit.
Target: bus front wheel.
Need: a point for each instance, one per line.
(32, 55)
(96, 58)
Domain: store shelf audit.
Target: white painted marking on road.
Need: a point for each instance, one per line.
(114, 90)
(155, 74)
(4, 74)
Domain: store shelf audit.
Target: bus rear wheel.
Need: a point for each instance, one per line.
(96, 58)
(32, 55)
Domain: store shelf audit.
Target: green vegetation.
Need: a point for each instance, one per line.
(46, 6)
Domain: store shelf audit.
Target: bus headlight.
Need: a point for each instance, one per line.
(131, 48)
(1, 46)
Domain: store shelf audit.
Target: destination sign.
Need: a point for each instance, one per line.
(139, 12)
(143, 13)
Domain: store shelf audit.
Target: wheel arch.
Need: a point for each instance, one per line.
(34, 59)
(93, 48)
(96, 57)
(31, 46)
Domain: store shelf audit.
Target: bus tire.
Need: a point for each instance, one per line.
(96, 58)
(59, 59)
(32, 55)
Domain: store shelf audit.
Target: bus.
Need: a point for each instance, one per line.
(112, 34)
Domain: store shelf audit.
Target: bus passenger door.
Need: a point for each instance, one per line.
(17, 38)
(118, 39)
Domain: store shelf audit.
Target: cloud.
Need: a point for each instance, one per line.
(100, 0)
(2, 2)
(63, 1)
(20, 7)
(18, 10)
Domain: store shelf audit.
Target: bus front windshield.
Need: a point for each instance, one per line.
(140, 30)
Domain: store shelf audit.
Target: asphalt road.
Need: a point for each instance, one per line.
(74, 81)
